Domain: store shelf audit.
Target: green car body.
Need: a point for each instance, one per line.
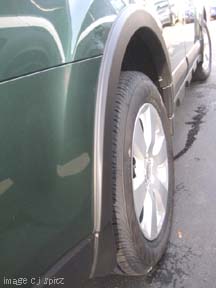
(52, 60)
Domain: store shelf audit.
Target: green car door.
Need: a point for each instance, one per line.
(50, 55)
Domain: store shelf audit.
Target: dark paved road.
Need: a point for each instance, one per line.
(190, 261)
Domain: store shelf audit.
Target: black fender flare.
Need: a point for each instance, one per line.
(127, 23)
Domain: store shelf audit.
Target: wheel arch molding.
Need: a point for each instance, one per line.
(128, 22)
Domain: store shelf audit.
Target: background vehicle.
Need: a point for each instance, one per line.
(87, 98)
(167, 11)
(163, 10)
(174, 11)
(213, 9)
(189, 12)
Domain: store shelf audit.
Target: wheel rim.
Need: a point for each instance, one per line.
(149, 171)
(206, 50)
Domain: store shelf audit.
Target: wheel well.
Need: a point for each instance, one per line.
(144, 53)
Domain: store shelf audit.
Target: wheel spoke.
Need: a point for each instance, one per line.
(149, 223)
(161, 172)
(154, 218)
(139, 146)
(139, 195)
(161, 194)
(146, 223)
(149, 119)
(160, 152)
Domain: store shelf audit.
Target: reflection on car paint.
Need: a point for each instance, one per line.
(37, 35)
(74, 166)
(5, 185)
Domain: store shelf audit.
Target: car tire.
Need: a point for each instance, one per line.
(137, 251)
(204, 67)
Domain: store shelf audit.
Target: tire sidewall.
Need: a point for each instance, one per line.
(202, 74)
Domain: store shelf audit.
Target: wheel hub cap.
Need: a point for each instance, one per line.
(149, 171)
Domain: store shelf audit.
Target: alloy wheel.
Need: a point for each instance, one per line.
(149, 171)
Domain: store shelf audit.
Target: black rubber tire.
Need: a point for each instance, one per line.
(202, 74)
(135, 254)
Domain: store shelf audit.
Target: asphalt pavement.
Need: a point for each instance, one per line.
(190, 260)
